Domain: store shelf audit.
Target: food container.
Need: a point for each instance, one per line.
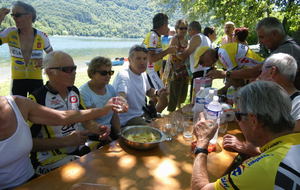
(134, 131)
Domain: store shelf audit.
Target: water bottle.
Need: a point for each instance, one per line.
(213, 112)
(208, 99)
(199, 104)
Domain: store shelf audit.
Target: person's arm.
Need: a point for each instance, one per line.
(246, 73)
(204, 131)
(43, 115)
(154, 56)
(76, 138)
(115, 123)
(194, 43)
(3, 13)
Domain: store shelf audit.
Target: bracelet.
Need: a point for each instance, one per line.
(228, 74)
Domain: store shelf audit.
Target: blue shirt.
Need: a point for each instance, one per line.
(93, 100)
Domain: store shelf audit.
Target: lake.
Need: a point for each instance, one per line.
(82, 49)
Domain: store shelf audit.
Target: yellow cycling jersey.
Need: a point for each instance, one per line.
(278, 167)
(152, 42)
(236, 55)
(21, 70)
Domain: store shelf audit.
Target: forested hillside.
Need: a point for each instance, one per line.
(104, 18)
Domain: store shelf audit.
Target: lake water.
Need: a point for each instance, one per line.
(82, 49)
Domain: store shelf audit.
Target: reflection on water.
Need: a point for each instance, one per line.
(82, 49)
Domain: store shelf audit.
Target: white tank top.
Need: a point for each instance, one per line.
(15, 166)
(205, 41)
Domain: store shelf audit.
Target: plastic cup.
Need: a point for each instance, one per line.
(187, 130)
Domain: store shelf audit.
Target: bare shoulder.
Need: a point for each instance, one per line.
(24, 104)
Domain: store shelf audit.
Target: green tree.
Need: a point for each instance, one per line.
(241, 12)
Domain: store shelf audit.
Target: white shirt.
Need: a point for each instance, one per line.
(205, 41)
(15, 164)
(296, 108)
(135, 87)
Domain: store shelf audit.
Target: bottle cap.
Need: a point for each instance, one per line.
(216, 98)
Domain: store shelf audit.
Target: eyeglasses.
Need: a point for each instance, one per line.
(66, 69)
(104, 73)
(17, 15)
(238, 115)
(182, 28)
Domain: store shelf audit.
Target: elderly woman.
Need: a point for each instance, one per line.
(265, 120)
(15, 136)
(96, 92)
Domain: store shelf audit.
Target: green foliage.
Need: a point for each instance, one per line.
(241, 12)
(104, 18)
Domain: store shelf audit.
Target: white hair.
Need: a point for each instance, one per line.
(51, 58)
(286, 65)
(269, 102)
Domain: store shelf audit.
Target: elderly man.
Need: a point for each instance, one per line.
(26, 46)
(54, 146)
(271, 34)
(265, 120)
(280, 68)
(132, 83)
(228, 30)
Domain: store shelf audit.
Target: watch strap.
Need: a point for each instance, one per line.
(198, 150)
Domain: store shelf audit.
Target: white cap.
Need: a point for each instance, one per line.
(216, 98)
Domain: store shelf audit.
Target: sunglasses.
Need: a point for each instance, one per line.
(104, 73)
(66, 69)
(238, 115)
(182, 28)
(17, 15)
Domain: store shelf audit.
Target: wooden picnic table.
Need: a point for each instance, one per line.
(169, 166)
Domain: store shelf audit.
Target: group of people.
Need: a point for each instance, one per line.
(60, 122)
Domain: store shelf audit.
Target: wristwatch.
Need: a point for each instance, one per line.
(198, 150)
(228, 73)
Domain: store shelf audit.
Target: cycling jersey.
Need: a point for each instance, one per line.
(49, 97)
(153, 42)
(236, 55)
(19, 69)
(278, 167)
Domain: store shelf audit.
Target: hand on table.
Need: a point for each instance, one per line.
(101, 130)
(232, 143)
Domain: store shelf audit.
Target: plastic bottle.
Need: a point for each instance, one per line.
(208, 98)
(199, 104)
(213, 113)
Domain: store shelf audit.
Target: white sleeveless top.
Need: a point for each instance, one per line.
(205, 41)
(15, 166)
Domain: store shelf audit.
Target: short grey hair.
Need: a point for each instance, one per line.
(270, 24)
(269, 102)
(28, 8)
(137, 48)
(52, 57)
(286, 65)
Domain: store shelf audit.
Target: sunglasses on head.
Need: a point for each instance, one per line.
(17, 15)
(66, 69)
(238, 115)
(182, 28)
(104, 73)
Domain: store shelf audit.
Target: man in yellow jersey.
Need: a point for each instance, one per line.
(265, 120)
(153, 43)
(54, 146)
(26, 45)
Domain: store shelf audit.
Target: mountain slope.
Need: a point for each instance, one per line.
(106, 18)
